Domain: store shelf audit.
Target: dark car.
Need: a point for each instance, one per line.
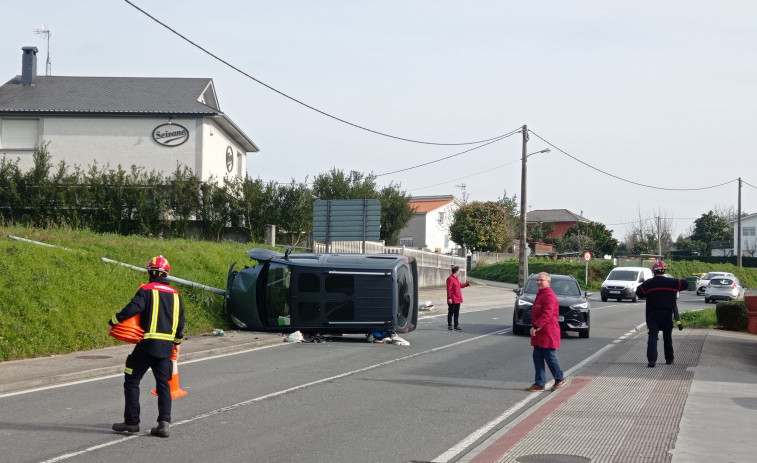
(575, 309)
(324, 293)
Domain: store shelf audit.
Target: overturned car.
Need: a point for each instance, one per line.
(324, 293)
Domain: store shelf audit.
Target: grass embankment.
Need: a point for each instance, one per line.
(56, 301)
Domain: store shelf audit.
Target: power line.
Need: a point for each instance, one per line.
(467, 176)
(324, 113)
(502, 137)
(626, 180)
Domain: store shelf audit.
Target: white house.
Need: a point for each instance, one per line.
(153, 123)
(429, 227)
(748, 235)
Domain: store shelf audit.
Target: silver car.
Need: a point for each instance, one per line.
(705, 280)
(723, 288)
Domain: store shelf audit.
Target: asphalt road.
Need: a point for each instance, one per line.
(339, 401)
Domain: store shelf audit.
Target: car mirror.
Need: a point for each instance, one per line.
(517, 291)
(587, 294)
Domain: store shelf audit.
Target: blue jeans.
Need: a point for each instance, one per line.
(542, 355)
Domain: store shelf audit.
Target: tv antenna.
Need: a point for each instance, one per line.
(46, 31)
(464, 194)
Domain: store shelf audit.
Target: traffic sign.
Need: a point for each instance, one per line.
(587, 256)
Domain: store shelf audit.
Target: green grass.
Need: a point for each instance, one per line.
(700, 318)
(56, 301)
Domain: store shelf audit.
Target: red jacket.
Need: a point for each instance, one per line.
(454, 289)
(544, 315)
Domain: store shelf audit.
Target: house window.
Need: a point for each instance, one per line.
(19, 133)
(406, 242)
(441, 217)
(748, 231)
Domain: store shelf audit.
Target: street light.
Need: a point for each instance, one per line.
(523, 250)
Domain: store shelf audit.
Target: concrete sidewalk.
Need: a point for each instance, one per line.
(702, 409)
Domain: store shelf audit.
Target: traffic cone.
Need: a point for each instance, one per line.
(128, 330)
(176, 390)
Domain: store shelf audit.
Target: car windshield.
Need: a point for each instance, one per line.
(711, 275)
(622, 275)
(560, 287)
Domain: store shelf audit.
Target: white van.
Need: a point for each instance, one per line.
(622, 282)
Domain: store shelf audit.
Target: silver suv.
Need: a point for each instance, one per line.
(705, 280)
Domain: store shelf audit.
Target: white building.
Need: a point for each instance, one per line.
(153, 123)
(429, 227)
(748, 235)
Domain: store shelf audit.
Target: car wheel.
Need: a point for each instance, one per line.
(583, 333)
(517, 331)
(604, 299)
(619, 300)
(635, 298)
(706, 301)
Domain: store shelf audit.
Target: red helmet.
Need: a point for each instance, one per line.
(160, 264)
(659, 266)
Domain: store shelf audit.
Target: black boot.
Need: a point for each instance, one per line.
(161, 430)
(123, 427)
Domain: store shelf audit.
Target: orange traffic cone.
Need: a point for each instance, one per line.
(176, 390)
(128, 330)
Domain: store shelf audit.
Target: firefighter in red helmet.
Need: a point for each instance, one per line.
(162, 317)
(661, 309)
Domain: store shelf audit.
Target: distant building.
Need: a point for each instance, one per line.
(563, 219)
(429, 227)
(153, 123)
(748, 235)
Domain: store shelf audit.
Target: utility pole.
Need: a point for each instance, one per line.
(738, 227)
(659, 239)
(522, 254)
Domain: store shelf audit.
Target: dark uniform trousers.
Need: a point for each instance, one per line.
(137, 364)
(655, 324)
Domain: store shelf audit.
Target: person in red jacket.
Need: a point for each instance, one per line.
(454, 298)
(545, 334)
(162, 318)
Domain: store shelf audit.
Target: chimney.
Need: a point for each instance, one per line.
(28, 65)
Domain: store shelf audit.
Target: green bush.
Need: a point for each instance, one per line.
(732, 315)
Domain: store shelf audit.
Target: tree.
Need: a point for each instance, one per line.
(601, 240)
(395, 213)
(711, 227)
(482, 226)
(540, 231)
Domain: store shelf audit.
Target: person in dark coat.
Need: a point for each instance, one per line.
(661, 309)
(161, 312)
(454, 298)
(545, 335)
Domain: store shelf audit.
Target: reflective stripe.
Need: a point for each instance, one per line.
(175, 314)
(128, 370)
(165, 337)
(155, 311)
(153, 331)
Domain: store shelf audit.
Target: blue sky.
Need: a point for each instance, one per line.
(655, 93)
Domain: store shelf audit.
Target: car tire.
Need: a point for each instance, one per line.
(635, 299)
(584, 334)
(517, 330)
(619, 300)
(706, 301)
(604, 299)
